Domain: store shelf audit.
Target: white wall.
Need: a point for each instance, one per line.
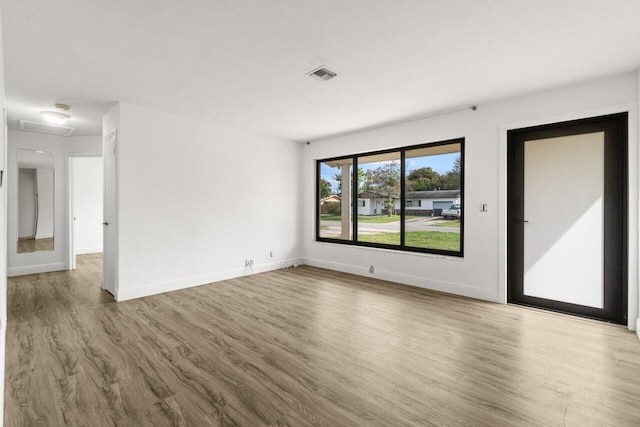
(480, 274)
(86, 186)
(197, 199)
(367, 209)
(634, 231)
(3, 227)
(58, 259)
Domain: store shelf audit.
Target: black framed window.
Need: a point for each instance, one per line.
(409, 198)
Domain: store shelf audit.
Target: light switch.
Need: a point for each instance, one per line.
(484, 207)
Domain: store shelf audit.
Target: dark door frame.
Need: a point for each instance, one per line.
(615, 127)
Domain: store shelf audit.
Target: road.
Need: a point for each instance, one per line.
(415, 224)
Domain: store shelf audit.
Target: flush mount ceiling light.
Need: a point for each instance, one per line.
(56, 117)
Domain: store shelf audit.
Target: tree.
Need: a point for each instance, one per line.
(424, 179)
(385, 179)
(325, 188)
(457, 166)
(338, 178)
(451, 180)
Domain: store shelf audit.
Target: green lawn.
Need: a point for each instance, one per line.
(366, 219)
(417, 239)
(448, 223)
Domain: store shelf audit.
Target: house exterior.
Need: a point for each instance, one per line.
(430, 203)
(327, 202)
(372, 203)
(421, 203)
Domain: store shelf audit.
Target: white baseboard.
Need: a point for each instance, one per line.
(189, 282)
(82, 251)
(420, 282)
(638, 327)
(34, 269)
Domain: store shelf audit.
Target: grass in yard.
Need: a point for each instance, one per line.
(329, 217)
(384, 238)
(417, 239)
(448, 223)
(367, 219)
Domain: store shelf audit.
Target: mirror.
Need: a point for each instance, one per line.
(35, 200)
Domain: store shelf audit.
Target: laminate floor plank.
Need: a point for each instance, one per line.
(305, 347)
(278, 349)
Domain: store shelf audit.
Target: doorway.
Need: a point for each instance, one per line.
(567, 217)
(86, 186)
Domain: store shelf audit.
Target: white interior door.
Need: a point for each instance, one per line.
(564, 219)
(110, 224)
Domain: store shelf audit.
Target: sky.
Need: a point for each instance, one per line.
(441, 163)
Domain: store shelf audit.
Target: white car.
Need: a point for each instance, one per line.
(452, 212)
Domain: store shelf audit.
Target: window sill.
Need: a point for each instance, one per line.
(393, 251)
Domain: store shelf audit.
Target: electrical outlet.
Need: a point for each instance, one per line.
(271, 254)
(248, 262)
(371, 269)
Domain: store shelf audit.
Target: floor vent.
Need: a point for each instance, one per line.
(45, 128)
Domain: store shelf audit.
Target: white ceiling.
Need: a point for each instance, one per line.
(243, 63)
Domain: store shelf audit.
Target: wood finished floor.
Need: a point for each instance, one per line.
(29, 244)
(302, 347)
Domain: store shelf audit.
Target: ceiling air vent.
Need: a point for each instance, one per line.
(45, 128)
(323, 74)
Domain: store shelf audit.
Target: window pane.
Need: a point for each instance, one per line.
(335, 204)
(379, 195)
(431, 198)
(432, 185)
